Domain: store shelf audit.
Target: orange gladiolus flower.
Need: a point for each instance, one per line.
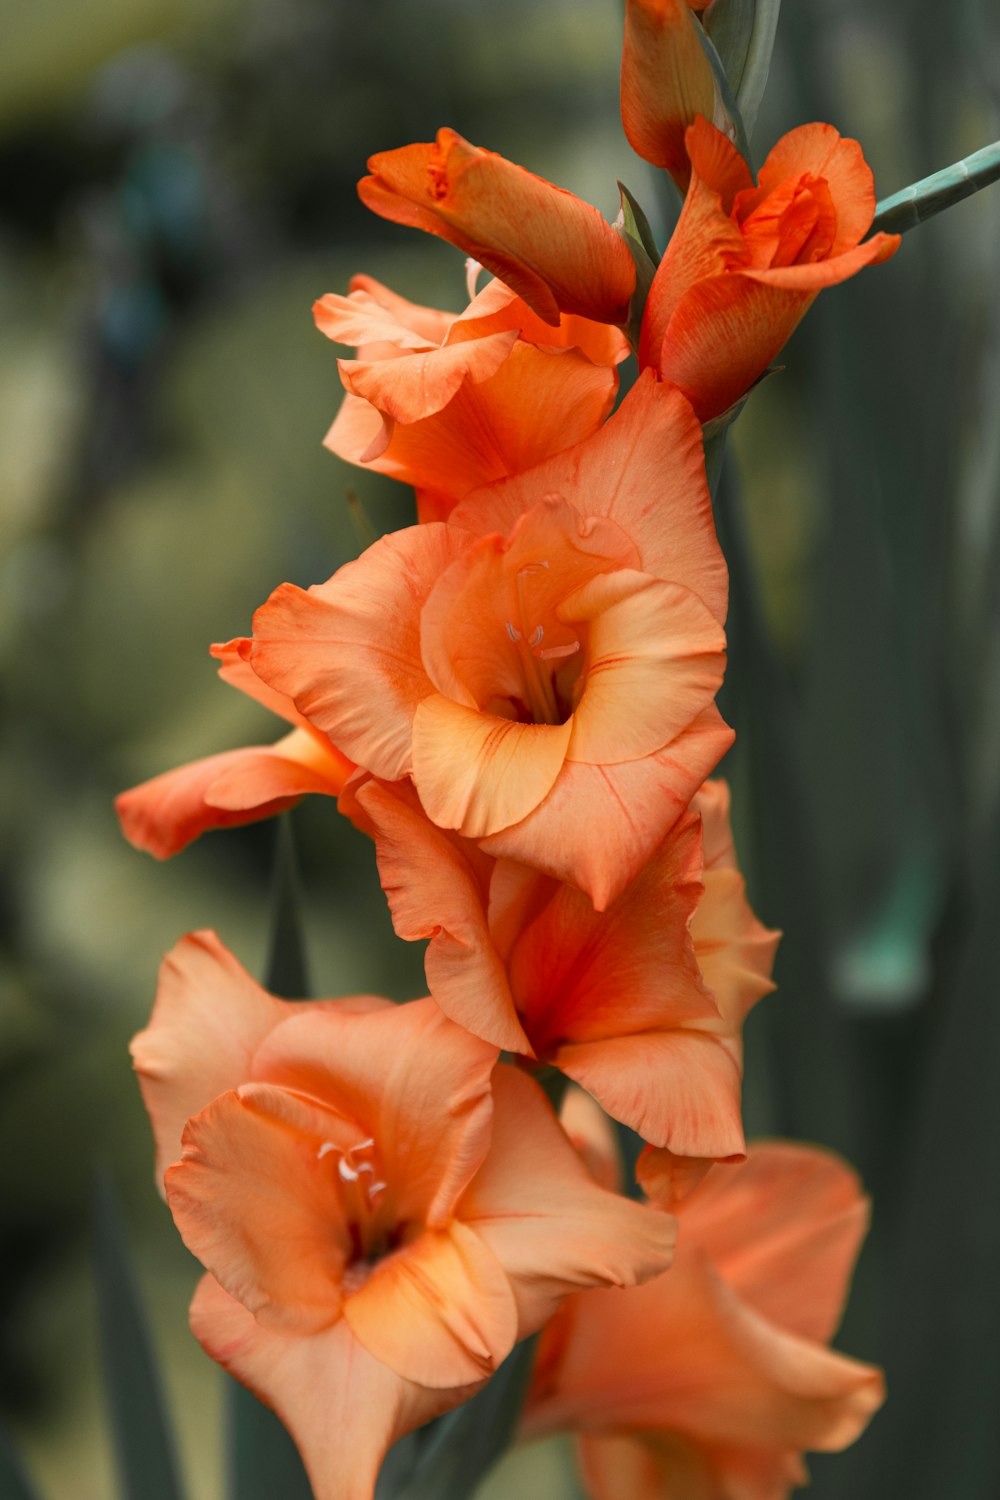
(709, 1383)
(554, 250)
(666, 83)
(449, 403)
(642, 1004)
(164, 815)
(381, 1213)
(746, 262)
(545, 662)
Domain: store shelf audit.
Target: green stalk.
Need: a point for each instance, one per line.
(923, 199)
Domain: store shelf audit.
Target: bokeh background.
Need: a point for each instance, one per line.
(177, 186)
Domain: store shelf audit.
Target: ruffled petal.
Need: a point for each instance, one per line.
(812, 278)
(821, 151)
(677, 1088)
(208, 1020)
(655, 661)
(419, 1084)
(348, 651)
(479, 773)
(599, 824)
(663, 508)
(343, 1408)
(434, 883)
(416, 385)
(359, 319)
(580, 975)
(255, 1198)
(164, 815)
(439, 1312)
(539, 402)
(553, 1229)
(809, 1219)
(554, 250)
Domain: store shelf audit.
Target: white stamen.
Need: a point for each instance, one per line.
(555, 653)
(513, 631)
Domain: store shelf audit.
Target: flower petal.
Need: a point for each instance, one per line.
(208, 1020)
(433, 882)
(809, 1219)
(821, 151)
(666, 81)
(724, 332)
(348, 651)
(479, 773)
(439, 1312)
(678, 1088)
(343, 1408)
(168, 812)
(256, 1200)
(539, 402)
(419, 1084)
(663, 508)
(822, 273)
(554, 250)
(552, 1228)
(416, 385)
(655, 661)
(360, 319)
(580, 975)
(304, 761)
(647, 1466)
(599, 824)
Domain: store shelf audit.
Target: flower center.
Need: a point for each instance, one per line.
(362, 1190)
(541, 658)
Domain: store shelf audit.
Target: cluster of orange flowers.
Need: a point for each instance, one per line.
(515, 698)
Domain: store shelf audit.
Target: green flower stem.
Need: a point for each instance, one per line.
(923, 199)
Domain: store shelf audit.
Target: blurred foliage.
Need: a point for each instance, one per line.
(177, 187)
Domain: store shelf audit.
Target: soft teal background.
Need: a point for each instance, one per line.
(177, 187)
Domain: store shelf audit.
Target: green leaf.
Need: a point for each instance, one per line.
(730, 25)
(742, 32)
(262, 1462)
(729, 99)
(14, 1482)
(632, 221)
(633, 227)
(142, 1437)
(922, 200)
(287, 965)
(456, 1452)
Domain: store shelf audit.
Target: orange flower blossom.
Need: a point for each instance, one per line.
(642, 1004)
(381, 1212)
(449, 403)
(746, 261)
(163, 815)
(554, 250)
(666, 82)
(708, 1383)
(544, 664)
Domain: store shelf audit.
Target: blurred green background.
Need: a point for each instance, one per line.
(177, 186)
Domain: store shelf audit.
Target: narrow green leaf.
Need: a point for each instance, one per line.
(142, 1437)
(458, 1450)
(729, 100)
(633, 227)
(922, 200)
(14, 1482)
(751, 87)
(287, 965)
(730, 25)
(633, 221)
